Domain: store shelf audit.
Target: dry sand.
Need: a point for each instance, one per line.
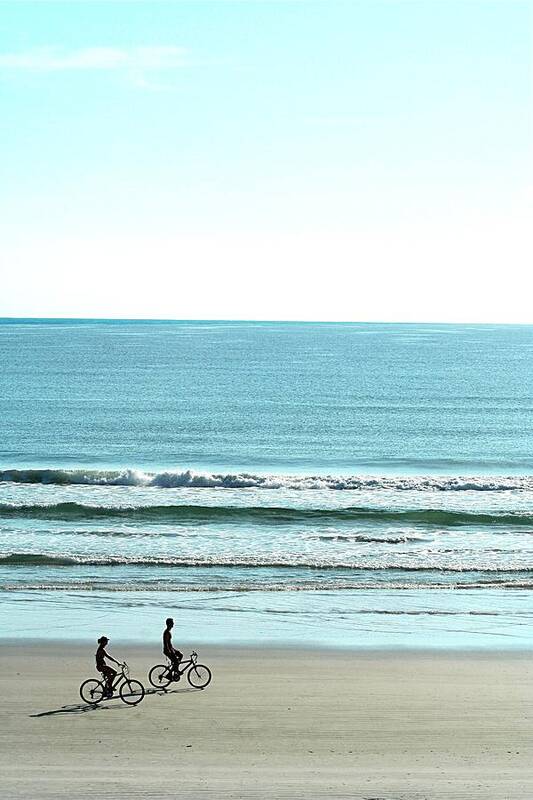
(273, 723)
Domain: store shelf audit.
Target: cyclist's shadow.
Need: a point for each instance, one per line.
(84, 708)
(79, 708)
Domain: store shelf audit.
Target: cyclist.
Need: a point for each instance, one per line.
(171, 653)
(108, 672)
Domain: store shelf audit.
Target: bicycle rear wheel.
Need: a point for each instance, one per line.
(199, 676)
(92, 691)
(159, 676)
(131, 692)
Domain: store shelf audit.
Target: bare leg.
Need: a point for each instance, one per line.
(175, 668)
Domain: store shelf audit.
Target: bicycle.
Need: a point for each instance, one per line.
(198, 675)
(130, 691)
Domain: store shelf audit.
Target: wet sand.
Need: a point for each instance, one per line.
(273, 723)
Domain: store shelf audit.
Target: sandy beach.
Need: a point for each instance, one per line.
(273, 723)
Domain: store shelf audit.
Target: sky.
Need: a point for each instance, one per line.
(363, 160)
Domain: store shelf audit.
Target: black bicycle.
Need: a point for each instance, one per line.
(198, 675)
(130, 691)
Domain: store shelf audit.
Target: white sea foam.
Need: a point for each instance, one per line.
(80, 585)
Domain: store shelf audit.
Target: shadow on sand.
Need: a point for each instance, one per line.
(83, 708)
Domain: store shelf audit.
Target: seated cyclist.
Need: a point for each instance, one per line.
(108, 672)
(171, 653)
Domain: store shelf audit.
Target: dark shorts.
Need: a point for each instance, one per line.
(175, 658)
(107, 672)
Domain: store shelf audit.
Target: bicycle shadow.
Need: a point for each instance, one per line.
(162, 691)
(84, 708)
(79, 708)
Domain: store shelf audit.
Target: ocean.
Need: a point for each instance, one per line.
(343, 485)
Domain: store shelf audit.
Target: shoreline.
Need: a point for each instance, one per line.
(403, 620)
(271, 647)
(274, 722)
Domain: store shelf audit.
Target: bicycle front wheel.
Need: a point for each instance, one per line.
(131, 692)
(92, 691)
(199, 676)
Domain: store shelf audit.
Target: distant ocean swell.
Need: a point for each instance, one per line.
(200, 480)
(264, 515)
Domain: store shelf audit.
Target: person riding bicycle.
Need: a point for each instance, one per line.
(108, 672)
(171, 653)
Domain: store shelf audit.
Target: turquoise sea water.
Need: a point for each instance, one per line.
(343, 484)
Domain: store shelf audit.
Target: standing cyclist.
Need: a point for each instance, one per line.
(171, 653)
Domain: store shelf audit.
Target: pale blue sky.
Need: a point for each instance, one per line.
(301, 160)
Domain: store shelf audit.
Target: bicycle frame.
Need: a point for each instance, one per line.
(198, 675)
(118, 679)
(184, 664)
(130, 691)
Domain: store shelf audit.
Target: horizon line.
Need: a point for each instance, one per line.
(4, 319)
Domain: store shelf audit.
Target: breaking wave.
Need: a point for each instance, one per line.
(242, 480)
(244, 562)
